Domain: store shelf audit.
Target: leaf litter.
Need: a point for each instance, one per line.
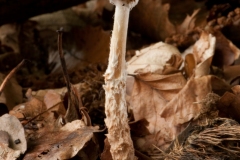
(182, 94)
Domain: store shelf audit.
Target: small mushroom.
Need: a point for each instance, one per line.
(115, 85)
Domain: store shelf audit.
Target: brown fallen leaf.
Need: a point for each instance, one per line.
(62, 144)
(158, 58)
(189, 65)
(52, 98)
(12, 93)
(203, 68)
(158, 24)
(198, 63)
(148, 82)
(187, 107)
(204, 47)
(229, 103)
(226, 52)
(80, 50)
(154, 19)
(150, 93)
(9, 37)
(231, 74)
(168, 115)
(188, 23)
(29, 109)
(40, 115)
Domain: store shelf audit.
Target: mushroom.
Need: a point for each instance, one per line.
(115, 85)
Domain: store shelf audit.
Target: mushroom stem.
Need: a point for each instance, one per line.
(115, 87)
(117, 64)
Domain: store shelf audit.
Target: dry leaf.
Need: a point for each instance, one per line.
(87, 45)
(168, 115)
(158, 58)
(40, 116)
(187, 107)
(188, 23)
(150, 93)
(200, 61)
(29, 109)
(51, 98)
(13, 142)
(229, 103)
(40, 94)
(180, 10)
(151, 18)
(154, 19)
(204, 47)
(203, 68)
(9, 37)
(226, 52)
(12, 93)
(231, 73)
(189, 64)
(62, 144)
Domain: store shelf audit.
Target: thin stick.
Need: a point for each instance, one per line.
(10, 75)
(30, 120)
(74, 103)
(63, 63)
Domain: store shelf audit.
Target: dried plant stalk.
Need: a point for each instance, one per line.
(115, 85)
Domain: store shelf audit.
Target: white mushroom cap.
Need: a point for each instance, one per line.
(127, 3)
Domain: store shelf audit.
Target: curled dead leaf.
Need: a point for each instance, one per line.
(200, 61)
(226, 52)
(204, 47)
(231, 74)
(159, 58)
(189, 64)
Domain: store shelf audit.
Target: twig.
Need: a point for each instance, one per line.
(35, 117)
(74, 103)
(63, 63)
(10, 75)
